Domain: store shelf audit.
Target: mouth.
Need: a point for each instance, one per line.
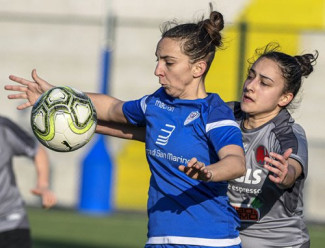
(247, 98)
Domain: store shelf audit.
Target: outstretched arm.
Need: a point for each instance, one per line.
(108, 108)
(230, 166)
(284, 170)
(42, 165)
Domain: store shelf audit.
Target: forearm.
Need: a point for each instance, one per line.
(294, 171)
(230, 167)
(125, 131)
(108, 108)
(42, 168)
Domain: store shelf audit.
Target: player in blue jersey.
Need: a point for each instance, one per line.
(183, 124)
(269, 198)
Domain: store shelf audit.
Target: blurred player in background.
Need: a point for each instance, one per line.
(14, 226)
(269, 198)
(182, 121)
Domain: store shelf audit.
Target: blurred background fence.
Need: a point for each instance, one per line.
(64, 40)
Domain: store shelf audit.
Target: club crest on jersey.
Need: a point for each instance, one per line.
(191, 117)
(260, 153)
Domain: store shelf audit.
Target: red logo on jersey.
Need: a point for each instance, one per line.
(260, 154)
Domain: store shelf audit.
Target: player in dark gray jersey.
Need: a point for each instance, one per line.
(14, 226)
(269, 198)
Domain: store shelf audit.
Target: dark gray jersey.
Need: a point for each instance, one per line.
(13, 142)
(270, 216)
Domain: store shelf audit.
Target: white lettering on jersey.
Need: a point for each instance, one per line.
(248, 179)
(162, 105)
(163, 139)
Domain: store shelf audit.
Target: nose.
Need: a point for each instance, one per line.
(158, 71)
(249, 85)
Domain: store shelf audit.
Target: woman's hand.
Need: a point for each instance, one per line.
(196, 170)
(284, 170)
(48, 197)
(29, 90)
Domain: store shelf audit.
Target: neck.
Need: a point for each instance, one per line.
(197, 91)
(254, 121)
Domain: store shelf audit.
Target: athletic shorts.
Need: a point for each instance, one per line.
(18, 238)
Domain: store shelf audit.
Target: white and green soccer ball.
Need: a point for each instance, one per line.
(63, 119)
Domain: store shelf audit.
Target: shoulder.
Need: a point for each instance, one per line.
(289, 133)
(218, 109)
(6, 122)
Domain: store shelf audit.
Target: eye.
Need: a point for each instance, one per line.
(250, 75)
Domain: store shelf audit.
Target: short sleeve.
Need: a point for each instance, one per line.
(134, 111)
(222, 129)
(21, 142)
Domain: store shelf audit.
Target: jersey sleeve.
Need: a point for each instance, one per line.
(21, 142)
(134, 111)
(300, 152)
(222, 129)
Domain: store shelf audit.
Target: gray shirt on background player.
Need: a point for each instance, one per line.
(13, 142)
(270, 216)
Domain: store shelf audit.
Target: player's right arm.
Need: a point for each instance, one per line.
(125, 131)
(107, 108)
(29, 90)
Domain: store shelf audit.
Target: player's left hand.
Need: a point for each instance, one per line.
(48, 197)
(196, 170)
(278, 166)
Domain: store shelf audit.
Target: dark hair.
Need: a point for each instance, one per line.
(199, 40)
(293, 68)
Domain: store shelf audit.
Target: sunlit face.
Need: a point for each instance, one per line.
(263, 90)
(174, 69)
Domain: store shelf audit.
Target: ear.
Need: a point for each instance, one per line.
(199, 68)
(285, 99)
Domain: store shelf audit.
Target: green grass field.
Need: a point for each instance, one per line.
(69, 229)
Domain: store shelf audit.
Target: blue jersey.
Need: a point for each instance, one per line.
(182, 210)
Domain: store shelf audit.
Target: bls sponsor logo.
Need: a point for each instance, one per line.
(166, 132)
(254, 176)
(251, 178)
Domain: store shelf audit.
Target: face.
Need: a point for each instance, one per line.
(263, 90)
(174, 69)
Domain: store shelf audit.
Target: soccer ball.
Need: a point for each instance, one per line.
(63, 119)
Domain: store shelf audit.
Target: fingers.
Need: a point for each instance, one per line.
(18, 96)
(24, 106)
(19, 80)
(196, 170)
(287, 153)
(194, 163)
(35, 76)
(278, 166)
(48, 198)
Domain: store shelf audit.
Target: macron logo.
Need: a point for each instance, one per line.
(163, 105)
